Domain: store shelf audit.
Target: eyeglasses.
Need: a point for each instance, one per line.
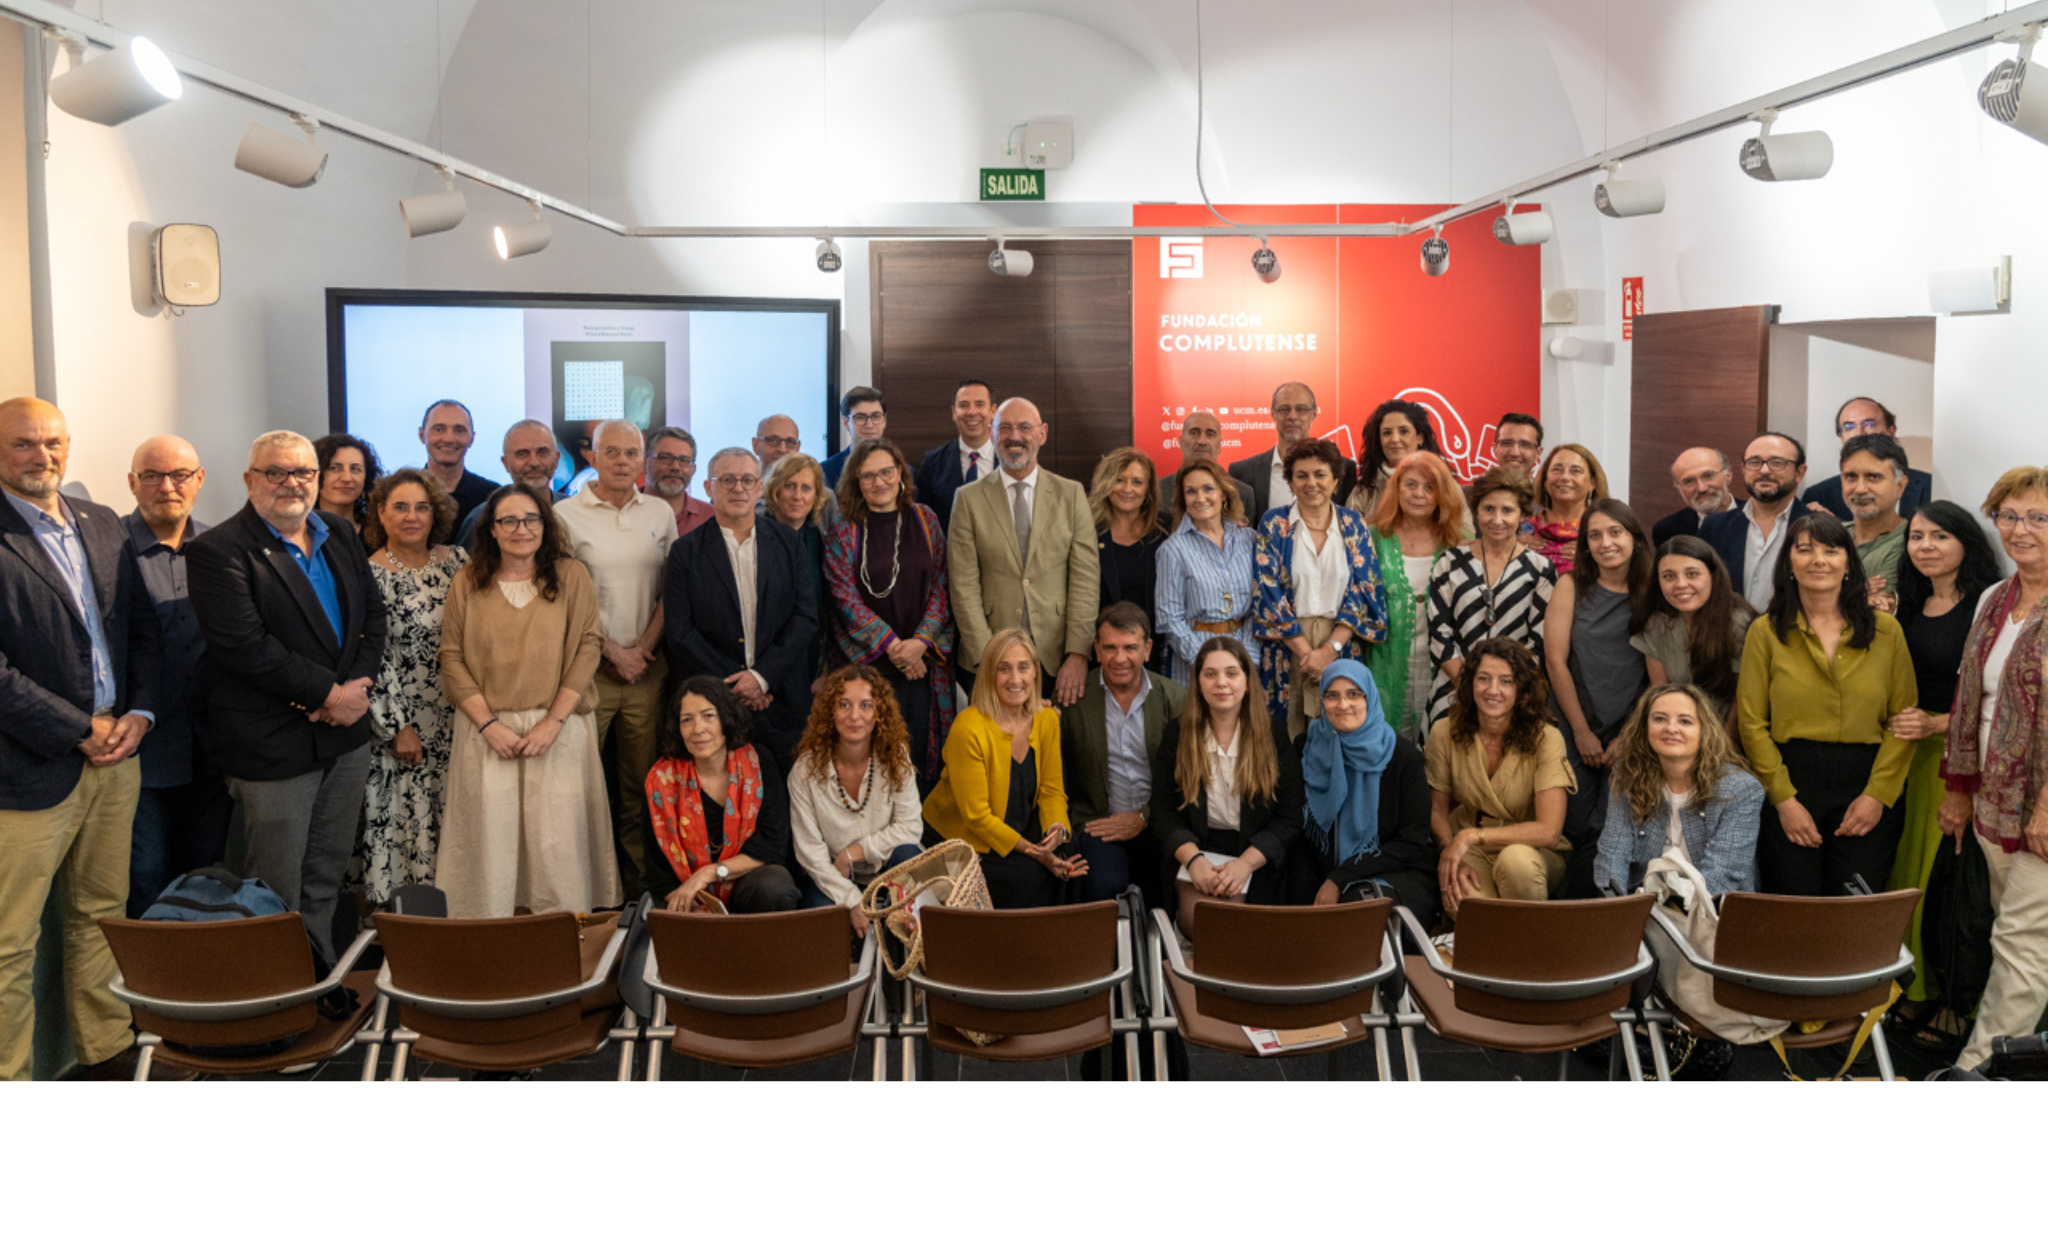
(675, 461)
(864, 417)
(518, 524)
(1515, 444)
(278, 476)
(1776, 463)
(1855, 428)
(1016, 430)
(781, 443)
(177, 477)
(881, 476)
(730, 482)
(2037, 522)
(1295, 410)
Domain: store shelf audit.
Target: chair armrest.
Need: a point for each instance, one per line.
(1032, 999)
(248, 1008)
(764, 1003)
(507, 1008)
(1793, 986)
(1528, 990)
(1276, 994)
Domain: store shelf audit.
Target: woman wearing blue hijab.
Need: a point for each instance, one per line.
(1367, 818)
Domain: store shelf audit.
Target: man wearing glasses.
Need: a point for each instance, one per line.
(775, 437)
(529, 457)
(1854, 419)
(78, 668)
(1294, 416)
(1749, 538)
(1201, 437)
(738, 604)
(671, 466)
(181, 820)
(865, 418)
(294, 630)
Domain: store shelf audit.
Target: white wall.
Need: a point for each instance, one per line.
(1816, 367)
(773, 113)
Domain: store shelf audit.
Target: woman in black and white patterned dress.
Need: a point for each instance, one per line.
(1492, 586)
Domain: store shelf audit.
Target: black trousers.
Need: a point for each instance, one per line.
(1827, 777)
(764, 890)
(914, 698)
(1016, 881)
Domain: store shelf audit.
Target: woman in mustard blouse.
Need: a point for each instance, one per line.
(1002, 789)
(1822, 674)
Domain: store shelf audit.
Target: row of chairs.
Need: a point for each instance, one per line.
(512, 995)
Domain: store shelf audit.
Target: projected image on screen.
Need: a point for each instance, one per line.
(712, 369)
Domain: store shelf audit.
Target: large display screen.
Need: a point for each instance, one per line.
(715, 367)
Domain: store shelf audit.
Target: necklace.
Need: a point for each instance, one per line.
(393, 563)
(895, 569)
(866, 789)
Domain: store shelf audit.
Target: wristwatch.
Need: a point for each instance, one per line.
(724, 873)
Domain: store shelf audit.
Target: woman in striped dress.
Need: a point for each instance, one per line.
(1205, 567)
(1494, 586)
(1418, 519)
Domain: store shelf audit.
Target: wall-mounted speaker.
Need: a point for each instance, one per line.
(1560, 306)
(187, 264)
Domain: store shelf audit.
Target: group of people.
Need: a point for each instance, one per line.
(1294, 679)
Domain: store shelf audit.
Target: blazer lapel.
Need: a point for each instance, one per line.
(23, 542)
(721, 565)
(294, 579)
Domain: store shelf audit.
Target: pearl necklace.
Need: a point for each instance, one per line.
(867, 792)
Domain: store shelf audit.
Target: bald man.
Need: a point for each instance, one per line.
(775, 437)
(79, 660)
(181, 820)
(529, 457)
(294, 628)
(622, 535)
(1701, 476)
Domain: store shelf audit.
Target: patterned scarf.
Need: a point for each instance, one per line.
(676, 811)
(2006, 775)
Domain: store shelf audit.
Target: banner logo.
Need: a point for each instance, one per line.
(1180, 258)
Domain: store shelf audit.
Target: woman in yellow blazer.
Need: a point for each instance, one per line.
(1002, 784)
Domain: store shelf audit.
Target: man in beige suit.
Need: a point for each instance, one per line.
(1022, 553)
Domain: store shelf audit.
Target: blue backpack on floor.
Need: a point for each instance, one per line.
(213, 894)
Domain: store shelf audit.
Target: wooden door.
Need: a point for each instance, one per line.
(1698, 378)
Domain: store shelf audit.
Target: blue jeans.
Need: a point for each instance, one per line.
(177, 830)
(813, 898)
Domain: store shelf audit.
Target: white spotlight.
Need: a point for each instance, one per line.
(1436, 256)
(516, 240)
(829, 257)
(2003, 95)
(280, 158)
(1793, 155)
(118, 84)
(1265, 262)
(429, 213)
(1005, 261)
(1532, 228)
(1626, 198)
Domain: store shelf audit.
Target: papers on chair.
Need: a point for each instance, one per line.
(1275, 1040)
(1215, 859)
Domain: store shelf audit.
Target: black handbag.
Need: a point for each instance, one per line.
(1955, 926)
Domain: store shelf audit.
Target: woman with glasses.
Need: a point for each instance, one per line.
(1822, 672)
(1998, 761)
(411, 519)
(1124, 500)
(527, 826)
(885, 579)
(348, 468)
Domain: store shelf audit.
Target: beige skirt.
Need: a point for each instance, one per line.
(534, 833)
(1305, 698)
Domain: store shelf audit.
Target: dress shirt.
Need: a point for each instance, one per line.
(691, 514)
(986, 461)
(1030, 483)
(745, 557)
(1789, 691)
(1760, 553)
(1280, 492)
(1222, 785)
(314, 566)
(167, 755)
(1199, 581)
(623, 548)
(1320, 581)
(59, 537)
(1130, 762)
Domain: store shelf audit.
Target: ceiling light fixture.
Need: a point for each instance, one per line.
(516, 240)
(1626, 198)
(1792, 155)
(829, 257)
(1009, 262)
(117, 85)
(1265, 262)
(1532, 228)
(429, 213)
(280, 158)
(1436, 254)
(2003, 92)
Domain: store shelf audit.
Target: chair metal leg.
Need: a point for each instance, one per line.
(1628, 1052)
(376, 1050)
(399, 1054)
(1883, 1052)
(1409, 1052)
(142, 1060)
(1658, 1055)
(632, 1023)
(653, 1045)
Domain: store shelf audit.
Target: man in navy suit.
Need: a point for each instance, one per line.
(294, 628)
(1853, 419)
(79, 662)
(737, 606)
(1748, 538)
(966, 458)
(865, 419)
(1294, 411)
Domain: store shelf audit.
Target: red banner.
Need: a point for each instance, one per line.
(1355, 318)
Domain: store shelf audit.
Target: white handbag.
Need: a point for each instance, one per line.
(1681, 894)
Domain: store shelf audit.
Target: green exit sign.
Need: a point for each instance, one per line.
(1003, 183)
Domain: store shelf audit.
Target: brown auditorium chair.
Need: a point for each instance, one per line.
(1826, 960)
(500, 995)
(1032, 985)
(238, 997)
(1285, 968)
(1533, 977)
(759, 990)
